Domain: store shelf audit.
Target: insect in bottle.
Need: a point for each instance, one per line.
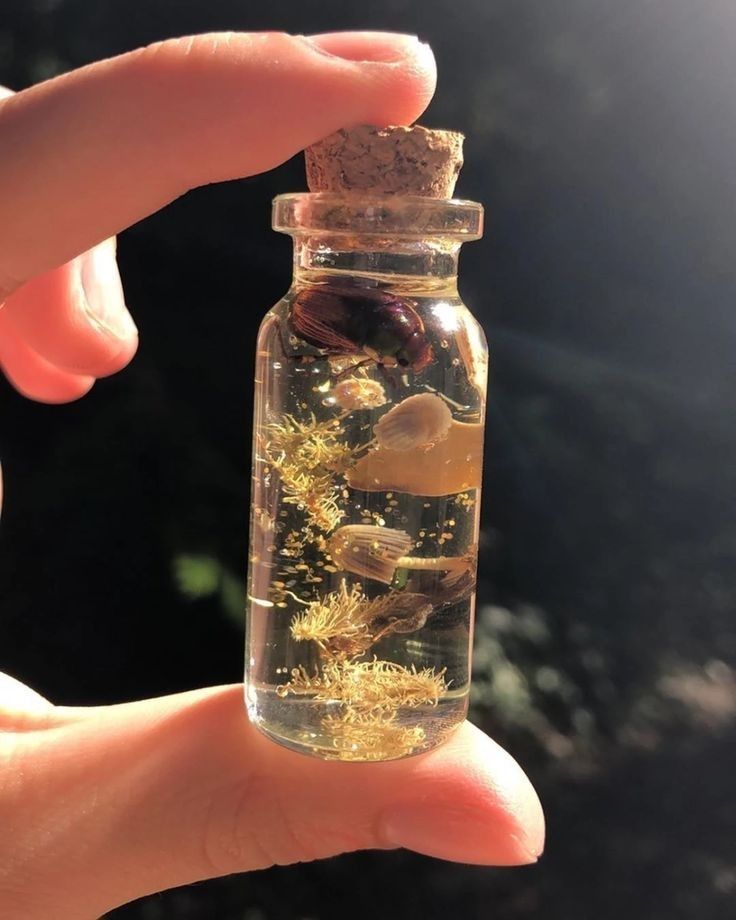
(345, 320)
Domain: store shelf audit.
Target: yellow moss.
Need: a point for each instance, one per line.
(307, 456)
(336, 616)
(346, 624)
(369, 686)
(314, 494)
(372, 736)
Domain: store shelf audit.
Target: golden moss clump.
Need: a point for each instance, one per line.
(311, 443)
(370, 694)
(345, 623)
(372, 736)
(369, 686)
(339, 617)
(307, 455)
(314, 494)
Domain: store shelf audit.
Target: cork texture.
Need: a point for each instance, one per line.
(386, 161)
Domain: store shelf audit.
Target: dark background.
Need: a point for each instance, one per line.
(602, 140)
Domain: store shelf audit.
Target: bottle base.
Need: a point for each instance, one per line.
(326, 731)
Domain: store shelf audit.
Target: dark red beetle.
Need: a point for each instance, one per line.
(341, 319)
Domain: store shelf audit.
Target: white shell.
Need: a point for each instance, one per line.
(418, 420)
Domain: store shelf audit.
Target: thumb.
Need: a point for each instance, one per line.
(121, 801)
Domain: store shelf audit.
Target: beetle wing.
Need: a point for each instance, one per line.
(319, 317)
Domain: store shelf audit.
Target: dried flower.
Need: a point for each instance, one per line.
(416, 421)
(359, 393)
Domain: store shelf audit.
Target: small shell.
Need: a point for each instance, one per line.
(358, 393)
(418, 420)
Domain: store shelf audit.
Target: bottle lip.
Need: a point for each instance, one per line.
(399, 216)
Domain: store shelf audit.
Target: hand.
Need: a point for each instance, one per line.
(99, 806)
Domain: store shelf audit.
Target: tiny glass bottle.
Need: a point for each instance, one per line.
(367, 457)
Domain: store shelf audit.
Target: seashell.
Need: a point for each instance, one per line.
(451, 465)
(358, 393)
(416, 421)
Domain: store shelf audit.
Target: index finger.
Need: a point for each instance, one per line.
(88, 153)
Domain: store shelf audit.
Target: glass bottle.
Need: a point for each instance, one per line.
(368, 435)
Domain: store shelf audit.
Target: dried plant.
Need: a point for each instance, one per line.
(302, 453)
(308, 456)
(338, 616)
(372, 736)
(309, 444)
(346, 624)
(369, 686)
(314, 494)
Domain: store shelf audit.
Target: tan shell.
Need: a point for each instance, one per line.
(358, 393)
(416, 421)
(451, 465)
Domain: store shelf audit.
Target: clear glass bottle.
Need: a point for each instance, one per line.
(368, 435)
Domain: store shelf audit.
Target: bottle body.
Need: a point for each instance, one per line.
(368, 438)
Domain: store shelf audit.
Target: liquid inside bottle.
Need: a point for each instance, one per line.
(368, 438)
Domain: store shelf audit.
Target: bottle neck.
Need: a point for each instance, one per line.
(411, 264)
(406, 242)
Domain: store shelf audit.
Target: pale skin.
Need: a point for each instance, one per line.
(100, 806)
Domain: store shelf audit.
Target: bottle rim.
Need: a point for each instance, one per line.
(365, 215)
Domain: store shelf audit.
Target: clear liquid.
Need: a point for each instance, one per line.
(358, 643)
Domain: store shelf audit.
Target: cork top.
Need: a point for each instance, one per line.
(386, 161)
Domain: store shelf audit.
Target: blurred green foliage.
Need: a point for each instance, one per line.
(205, 577)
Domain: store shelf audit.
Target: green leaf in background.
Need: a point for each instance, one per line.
(200, 576)
(197, 576)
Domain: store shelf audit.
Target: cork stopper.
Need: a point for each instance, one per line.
(386, 161)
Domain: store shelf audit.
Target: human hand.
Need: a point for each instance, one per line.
(99, 806)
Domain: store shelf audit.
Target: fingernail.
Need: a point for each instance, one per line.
(366, 47)
(104, 300)
(454, 834)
